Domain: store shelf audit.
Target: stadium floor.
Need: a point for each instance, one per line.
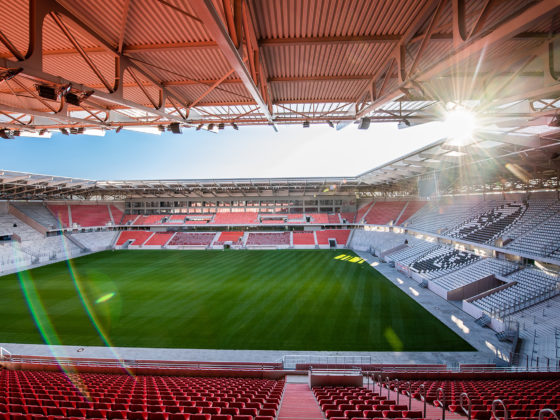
(237, 300)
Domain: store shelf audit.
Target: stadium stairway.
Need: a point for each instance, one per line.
(299, 403)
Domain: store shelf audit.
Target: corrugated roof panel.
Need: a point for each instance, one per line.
(54, 38)
(318, 18)
(134, 93)
(159, 23)
(194, 64)
(318, 90)
(14, 25)
(325, 59)
(105, 17)
(72, 67)
(227, 93)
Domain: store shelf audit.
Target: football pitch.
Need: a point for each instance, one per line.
(243, 300)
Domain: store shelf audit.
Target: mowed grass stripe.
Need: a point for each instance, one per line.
(254, 300)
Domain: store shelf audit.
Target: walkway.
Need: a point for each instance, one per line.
(299, 403)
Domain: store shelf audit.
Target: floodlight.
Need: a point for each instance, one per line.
(16, 133)
(306, 124)
(199, 126)
(403, 124)
(235, 127)
(161, 128)
(364, 123)
(42, 131)
(210, 127)
(330, 123)
(119, 128)
(47, 92)
(6, 134)
(175, 128)
(460, 124)
(72, 99)
(221, 126)
(64, 131)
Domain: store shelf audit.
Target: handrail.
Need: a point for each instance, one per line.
(409, 393)
(422, 392)
(441, 401)
(5, 354)
(388, 384)
(468, 410)
(379, 382)
(396, 384)
(494, 406)
(547, 411)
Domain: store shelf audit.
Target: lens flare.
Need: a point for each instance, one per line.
(460, 125)
(46, 328)
(105, 298)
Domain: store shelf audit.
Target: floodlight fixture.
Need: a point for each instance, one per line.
(364, 123)
(47, 92)
(175, 128)
(64, 131)
(235, 127)
(306, 124)
(119, 128)
(221, 126)
(555, 121)
(6, 134)
(330, 123)
(199, 126)
(403, 124)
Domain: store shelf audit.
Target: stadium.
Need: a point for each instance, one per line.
(426, 286)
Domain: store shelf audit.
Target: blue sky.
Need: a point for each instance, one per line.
(249, 152)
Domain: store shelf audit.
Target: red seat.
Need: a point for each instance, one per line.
(178, 416)
(200, 417)
(412, 414)
(232, 411)
(137, 415)
(371, 414)
(248, 412)
(116, 414)
(353, 413)
(211, 410)
(192, 410)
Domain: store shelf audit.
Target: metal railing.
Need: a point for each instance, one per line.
(127, 363)
(5, 354)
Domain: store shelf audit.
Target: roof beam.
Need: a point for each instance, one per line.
(213, 23)
(506, 30)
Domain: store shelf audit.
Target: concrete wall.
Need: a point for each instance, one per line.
(475, 288)
(334, 380)
(28, 220)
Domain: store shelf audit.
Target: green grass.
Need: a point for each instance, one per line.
(268, 300)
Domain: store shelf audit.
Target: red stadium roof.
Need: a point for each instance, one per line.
(120, 63)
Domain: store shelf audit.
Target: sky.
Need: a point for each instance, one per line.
(255, 152)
